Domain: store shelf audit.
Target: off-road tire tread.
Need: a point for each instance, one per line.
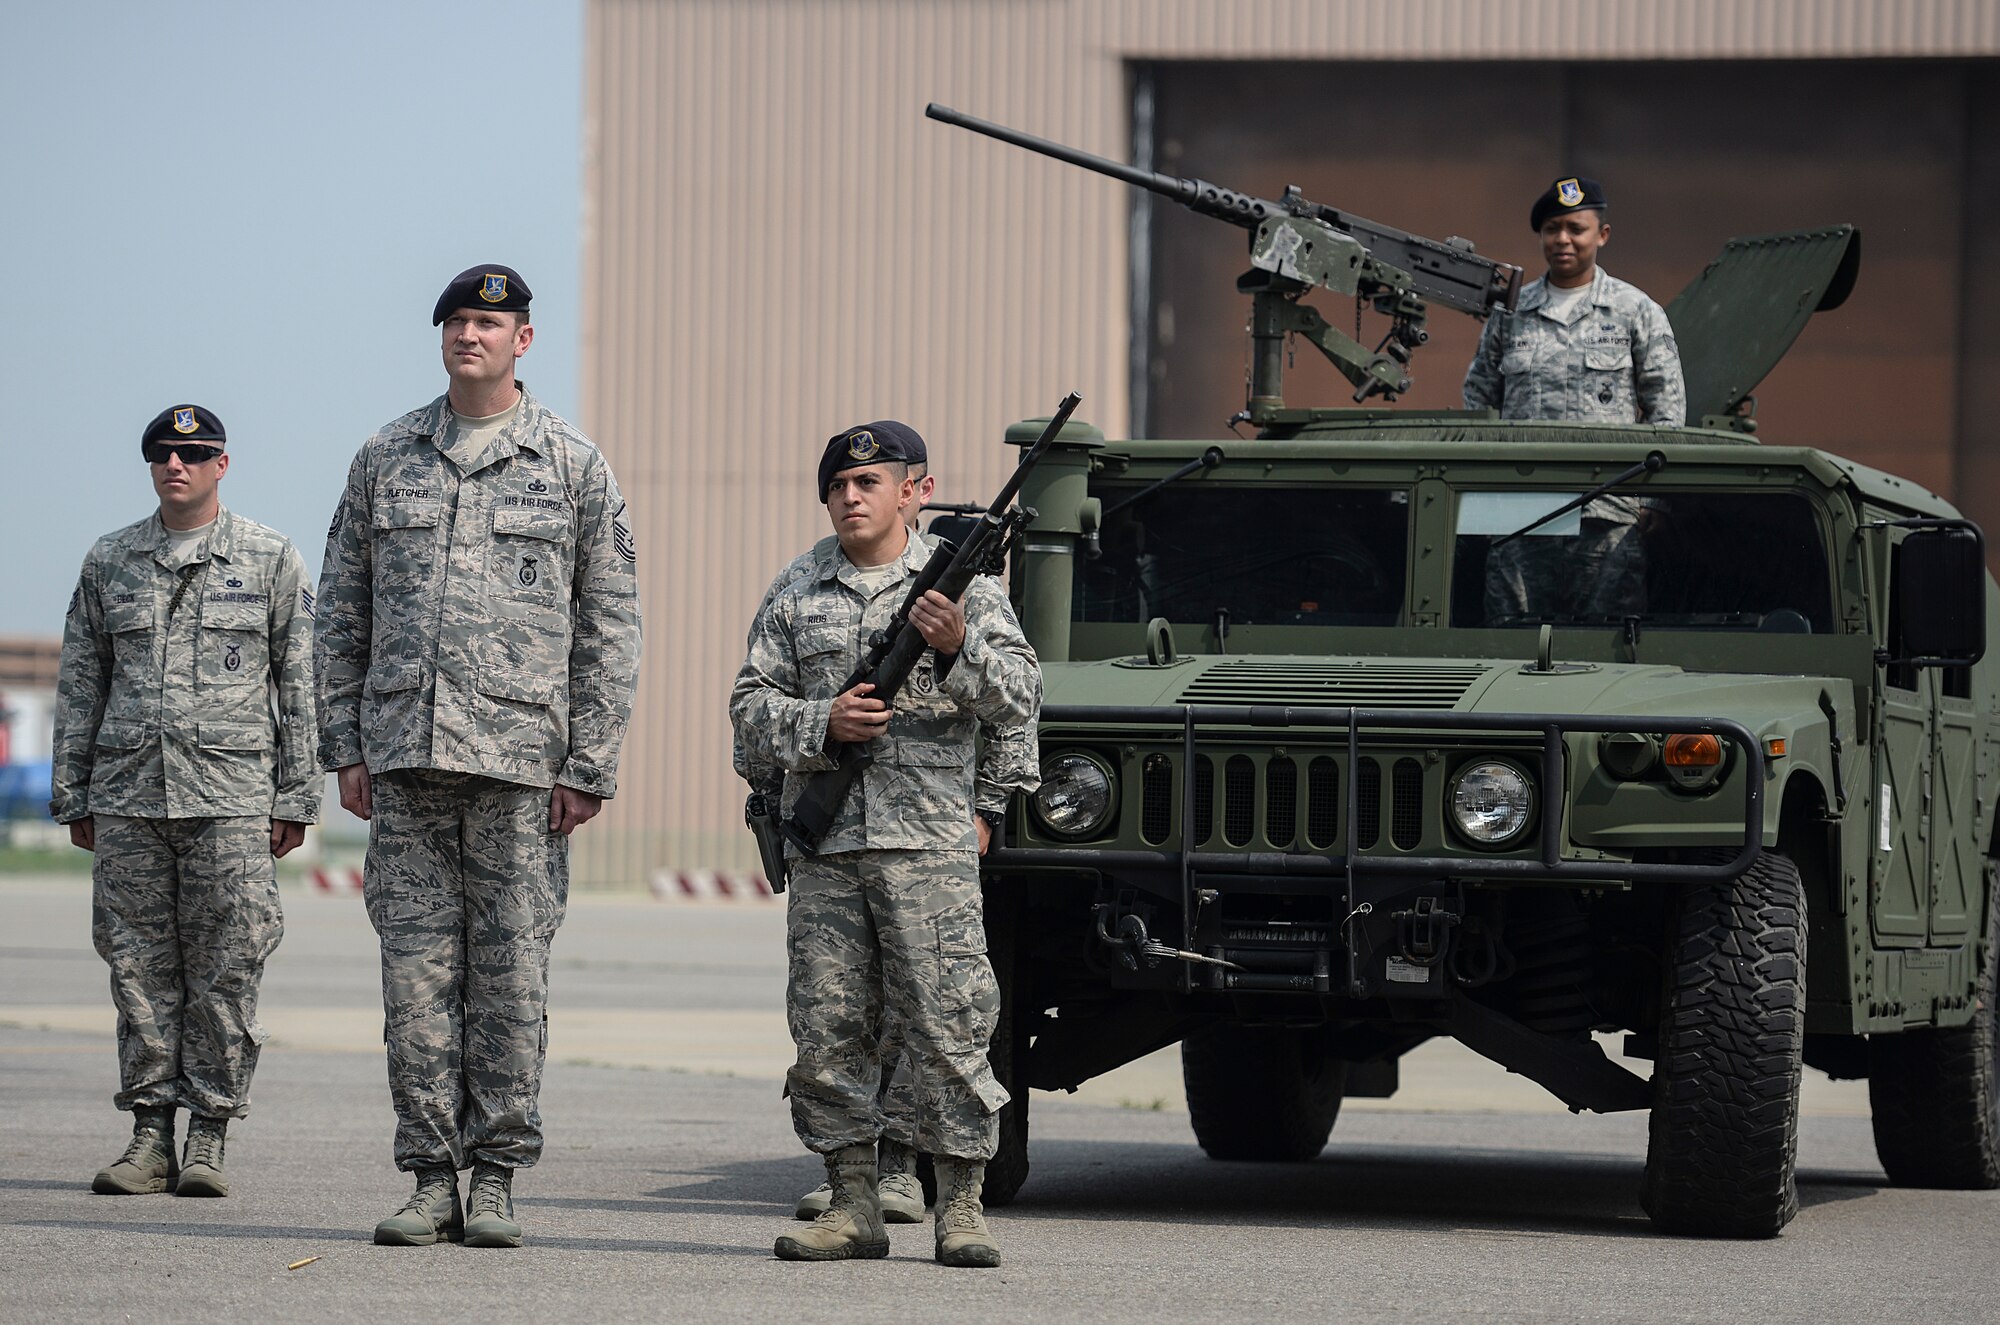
(1249, 1096)
(1934, 1096)
(1725, 1119)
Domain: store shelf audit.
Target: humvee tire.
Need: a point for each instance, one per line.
(1725, 1122)
(1261, 1093)
(1935, 1096)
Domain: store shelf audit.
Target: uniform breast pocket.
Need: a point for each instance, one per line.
(130, 626)
(1607, 373)
(406, 551)
(1517, 360)
(531, 553)
(824, 662)
(233, 647)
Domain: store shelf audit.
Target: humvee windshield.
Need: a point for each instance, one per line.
(1693, 560)
(1301, 557)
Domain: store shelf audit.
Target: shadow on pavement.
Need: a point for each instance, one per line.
(1371, 1186)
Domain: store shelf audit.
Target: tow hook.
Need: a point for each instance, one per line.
(1134, 945)
(1423, 933)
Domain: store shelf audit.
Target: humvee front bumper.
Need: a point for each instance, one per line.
(1350, 904)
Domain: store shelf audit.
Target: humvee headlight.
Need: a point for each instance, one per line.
(1491, 803)
(1074, 800)
(1693, 759)
(1627, 756)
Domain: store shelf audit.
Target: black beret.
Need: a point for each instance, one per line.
(496, 287)
(184, 423)
(876, 443)
(1572, 193)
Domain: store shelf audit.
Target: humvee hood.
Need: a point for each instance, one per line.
(1465, 685)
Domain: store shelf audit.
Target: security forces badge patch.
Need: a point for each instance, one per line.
(1569, 192)
(184, 419)
(494, 289)
(861, 445)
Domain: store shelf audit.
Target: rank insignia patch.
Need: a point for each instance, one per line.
(184, 419)
(1568, 192)
(495, 288)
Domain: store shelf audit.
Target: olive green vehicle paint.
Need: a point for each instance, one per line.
(1311, 798)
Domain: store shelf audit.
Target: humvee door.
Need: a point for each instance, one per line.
(1737, 319)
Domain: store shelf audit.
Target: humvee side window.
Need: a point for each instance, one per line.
(1267, 556)
(1688, 560)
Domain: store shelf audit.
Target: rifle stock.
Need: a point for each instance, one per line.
(894, 654)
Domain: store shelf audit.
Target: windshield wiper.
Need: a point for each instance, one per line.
(1208, 459)
(1654, 462)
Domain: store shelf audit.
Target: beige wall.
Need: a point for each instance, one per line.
(778, 244)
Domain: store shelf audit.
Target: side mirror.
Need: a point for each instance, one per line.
(1941, 594)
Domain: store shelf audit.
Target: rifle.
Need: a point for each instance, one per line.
(1298, 245)
(893, 652)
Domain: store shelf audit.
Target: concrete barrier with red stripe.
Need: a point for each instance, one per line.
(711, 886)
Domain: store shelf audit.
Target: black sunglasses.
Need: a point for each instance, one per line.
(191, 453)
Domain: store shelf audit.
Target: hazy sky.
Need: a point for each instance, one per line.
(253, 206)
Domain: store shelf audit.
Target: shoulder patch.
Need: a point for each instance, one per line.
(621, 536)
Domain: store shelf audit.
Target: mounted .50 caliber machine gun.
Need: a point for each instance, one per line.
(1297, 245)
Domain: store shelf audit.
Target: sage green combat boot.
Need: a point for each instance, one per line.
(489, 1208)
(148, 1162)
(201, 1161)
(896, 1183)
(814, 1203)
(430, 1215)
(850, 1228)
(962, 1236)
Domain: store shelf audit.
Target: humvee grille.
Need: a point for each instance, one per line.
(1333, 685)
(1281, 804)
(1368, 810)
(1204, 799)
(1156, 798)
(1322, 802)
(1239, 800)
(1406, 804)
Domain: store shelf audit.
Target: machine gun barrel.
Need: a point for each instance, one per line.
(1195, 194)
(1446, 272)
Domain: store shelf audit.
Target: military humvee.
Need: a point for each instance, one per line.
(1314, 792)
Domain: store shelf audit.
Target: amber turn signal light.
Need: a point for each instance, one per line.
(1693, 750)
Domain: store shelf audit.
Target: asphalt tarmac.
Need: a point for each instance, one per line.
(671, 1166)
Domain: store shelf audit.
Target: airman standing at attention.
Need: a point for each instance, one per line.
(1580, 344)
(888, 911)
(173, 765)
(1008, 761)
(476, 665)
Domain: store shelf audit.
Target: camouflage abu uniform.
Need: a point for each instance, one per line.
(890, 908)
(166, 738)
(479, 643)
(1008, 760)
(1609, 357)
